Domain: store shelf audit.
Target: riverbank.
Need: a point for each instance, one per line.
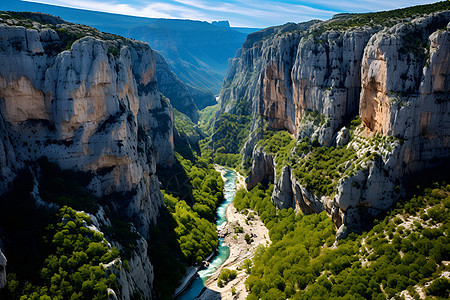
(236, 244)
(191, 274)
(239, 251)
(192, 283)
(240, 180)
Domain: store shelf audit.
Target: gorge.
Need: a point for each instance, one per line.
(108, 187)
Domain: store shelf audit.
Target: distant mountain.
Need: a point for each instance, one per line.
(197, 52)
(246, 30)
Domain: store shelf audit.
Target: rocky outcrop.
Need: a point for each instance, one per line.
(262, 170)
(305, 200)
(289, 193)
(94, 108)
(282, 195)
(135, 276)
(342, 137)
(311, 82)
(2, 270)
(409, 99)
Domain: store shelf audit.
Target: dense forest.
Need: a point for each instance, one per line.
(64, 255)
(404, 251)
(193, 189)
(226, 133)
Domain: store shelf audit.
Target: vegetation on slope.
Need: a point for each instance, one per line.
(207, 116)
(56, 255)
(322, 167)
(186, 136)
(319, 168)
(196, 236)
(228, 133)
(403, 251)
(75, 267)
(279, 144)
(384, 18)
(186, 233)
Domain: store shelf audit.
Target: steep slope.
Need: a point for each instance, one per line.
(198, 52)
(86, 101)
(311, 79)
(171, 87)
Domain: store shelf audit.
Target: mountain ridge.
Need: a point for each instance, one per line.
(204, 72)
(312, 80)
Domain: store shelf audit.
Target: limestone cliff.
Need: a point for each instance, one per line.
(262, 170)
(311, 79)
(137, 277)
(409, 99)
(90, 102)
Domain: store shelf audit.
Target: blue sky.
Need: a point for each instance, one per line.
(240, 13)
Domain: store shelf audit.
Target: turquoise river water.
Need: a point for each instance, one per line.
(198, 284)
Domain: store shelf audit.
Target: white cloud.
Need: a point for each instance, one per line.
(365, 5)
(244, 13)
(153, 10)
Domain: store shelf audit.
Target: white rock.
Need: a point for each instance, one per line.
(2, 270)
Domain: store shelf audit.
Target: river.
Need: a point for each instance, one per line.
(198, 284)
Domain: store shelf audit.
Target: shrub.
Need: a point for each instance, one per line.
(439, 287)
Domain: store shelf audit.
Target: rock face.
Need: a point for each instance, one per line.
(326, 78)
(282, 195)
(89, 110)
(410, 99)
(137, 277)
(94, 108)
(171, 87)
(260, 73)
(311, 79)
(286, 71)
(2, 270)
(262, 170)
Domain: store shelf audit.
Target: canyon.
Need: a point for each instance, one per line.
(373, 88)
(312, 78)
